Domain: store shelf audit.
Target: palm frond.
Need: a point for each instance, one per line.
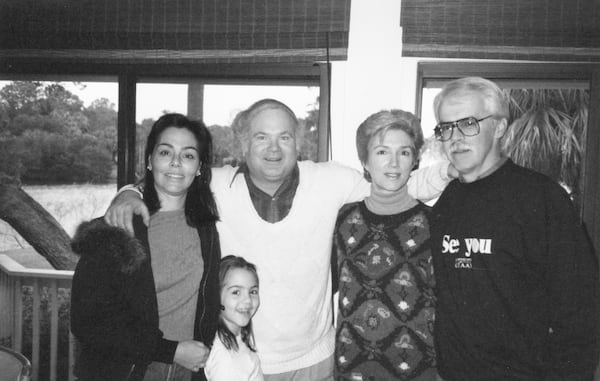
(547, 132)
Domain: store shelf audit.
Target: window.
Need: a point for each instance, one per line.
(217, 104)
(551, 106)
(58, 139)
(547, 124)
(69, 132)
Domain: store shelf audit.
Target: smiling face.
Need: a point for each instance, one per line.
(239, 298)
(174, 162)
(390, 160)
(473, 156)
(271, 148)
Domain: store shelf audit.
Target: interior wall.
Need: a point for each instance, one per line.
(374, 77)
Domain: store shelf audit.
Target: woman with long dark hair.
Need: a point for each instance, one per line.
(146, 307)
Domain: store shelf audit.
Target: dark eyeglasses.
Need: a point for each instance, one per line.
(467, 126)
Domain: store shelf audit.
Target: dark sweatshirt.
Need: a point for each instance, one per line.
(517, 281)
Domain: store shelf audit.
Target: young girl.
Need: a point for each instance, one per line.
(233, 355)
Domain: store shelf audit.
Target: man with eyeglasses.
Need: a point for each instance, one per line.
(517, 276)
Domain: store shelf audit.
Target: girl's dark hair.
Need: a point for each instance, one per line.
(200, 207)
(227, 337)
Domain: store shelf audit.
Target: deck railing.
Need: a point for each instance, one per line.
(33, 298)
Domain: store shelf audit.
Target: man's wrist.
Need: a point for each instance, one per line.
(139, 189)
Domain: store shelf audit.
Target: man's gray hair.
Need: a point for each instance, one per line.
(496, 100)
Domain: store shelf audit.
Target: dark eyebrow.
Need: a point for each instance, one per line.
(239, 286)
(386, 146)
(171, 146)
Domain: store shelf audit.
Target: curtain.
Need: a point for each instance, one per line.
(176, 30)
(544, 30)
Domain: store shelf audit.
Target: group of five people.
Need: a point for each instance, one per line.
(514, 295)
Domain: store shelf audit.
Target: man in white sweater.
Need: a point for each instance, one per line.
(279, 214)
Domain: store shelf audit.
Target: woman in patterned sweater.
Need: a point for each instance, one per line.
(383, 262)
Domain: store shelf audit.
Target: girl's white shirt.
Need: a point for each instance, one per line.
(231, 365)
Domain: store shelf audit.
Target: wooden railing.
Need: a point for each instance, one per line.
(31, 300)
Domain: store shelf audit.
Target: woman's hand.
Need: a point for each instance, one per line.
(191, 355)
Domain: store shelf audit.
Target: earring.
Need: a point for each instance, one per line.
(197, 173)
(149, 167)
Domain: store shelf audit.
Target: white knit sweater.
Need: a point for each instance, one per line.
(293, 326)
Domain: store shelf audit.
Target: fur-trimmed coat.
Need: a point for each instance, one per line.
(114, 312)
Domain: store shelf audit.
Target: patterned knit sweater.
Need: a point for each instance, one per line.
(386, 301)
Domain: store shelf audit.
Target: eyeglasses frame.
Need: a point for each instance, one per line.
(454, 125)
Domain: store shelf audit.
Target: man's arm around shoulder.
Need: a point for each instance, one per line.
(126, 203)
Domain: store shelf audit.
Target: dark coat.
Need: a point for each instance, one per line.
(114, 312)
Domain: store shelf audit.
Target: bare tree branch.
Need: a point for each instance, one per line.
(36, 225)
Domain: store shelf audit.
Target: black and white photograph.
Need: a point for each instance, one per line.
(299, 190)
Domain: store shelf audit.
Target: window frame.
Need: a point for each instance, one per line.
(589, 212)
(129, 75)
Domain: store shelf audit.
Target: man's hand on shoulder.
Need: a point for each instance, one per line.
(452, 172)
(123, 207)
